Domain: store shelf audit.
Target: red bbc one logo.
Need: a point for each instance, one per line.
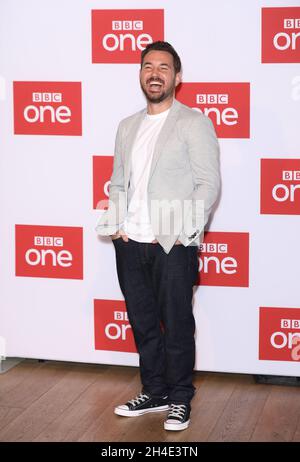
(102, 171)
(47, 108)
(280, 186)
(224, 259)
(280, 35)
(49, 251)
(226, 104)
(279, 334)
(112, 329)
(119, 36)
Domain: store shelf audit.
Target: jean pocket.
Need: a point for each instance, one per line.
(116, 239)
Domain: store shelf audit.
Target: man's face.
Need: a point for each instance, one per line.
(157, 76)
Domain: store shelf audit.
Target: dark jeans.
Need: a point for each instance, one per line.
(158, 292)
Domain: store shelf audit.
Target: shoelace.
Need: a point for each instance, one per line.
(139, 399)
(177, 410)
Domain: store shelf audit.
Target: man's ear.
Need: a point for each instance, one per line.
(178, 78)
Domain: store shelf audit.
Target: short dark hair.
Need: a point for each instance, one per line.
(163, 46)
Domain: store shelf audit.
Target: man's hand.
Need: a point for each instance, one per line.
(120, 235)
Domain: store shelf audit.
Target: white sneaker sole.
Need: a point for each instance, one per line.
(175, 427)
(126, 413)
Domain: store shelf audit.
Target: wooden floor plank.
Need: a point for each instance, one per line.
(62, 401)
(15, 376)
(296, 436)
(241, 412)
(8, 414)
(280, 416)
(90, 414)
(31, 383)
(53, 402)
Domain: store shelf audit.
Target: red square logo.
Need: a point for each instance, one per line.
(227, 105)
(279, 334)
(119, 36)
(49, 251)
(280, 41)
(280, 186)
(112, 328)
(224, 259)
(102, 171)
(47, 108)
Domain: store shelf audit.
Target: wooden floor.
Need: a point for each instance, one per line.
(60, 401)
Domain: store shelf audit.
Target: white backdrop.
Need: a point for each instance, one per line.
(47, 180)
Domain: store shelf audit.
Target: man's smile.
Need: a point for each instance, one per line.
(154, 86)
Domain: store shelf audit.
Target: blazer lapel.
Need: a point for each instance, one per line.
(130, 138)
(164, 134)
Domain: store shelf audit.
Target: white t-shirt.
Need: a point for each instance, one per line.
(137, 224)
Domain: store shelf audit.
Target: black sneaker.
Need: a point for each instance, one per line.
(142, 404)
(178, 417)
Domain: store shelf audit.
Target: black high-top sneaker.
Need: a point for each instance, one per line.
(178, 417)
(142, 404)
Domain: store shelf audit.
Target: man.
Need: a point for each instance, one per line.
(164, 184)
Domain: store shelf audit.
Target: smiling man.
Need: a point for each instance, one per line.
(164, 184)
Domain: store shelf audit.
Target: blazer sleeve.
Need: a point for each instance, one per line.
(204, 156)
(112, 218)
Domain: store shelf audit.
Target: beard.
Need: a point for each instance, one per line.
(160, 96)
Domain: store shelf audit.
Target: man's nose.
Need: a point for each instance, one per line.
(155, 75)
(155, 72)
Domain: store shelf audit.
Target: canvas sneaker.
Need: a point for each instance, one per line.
(142, 404)
(178, 417)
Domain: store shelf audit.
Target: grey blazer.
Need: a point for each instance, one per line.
(184, 179)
